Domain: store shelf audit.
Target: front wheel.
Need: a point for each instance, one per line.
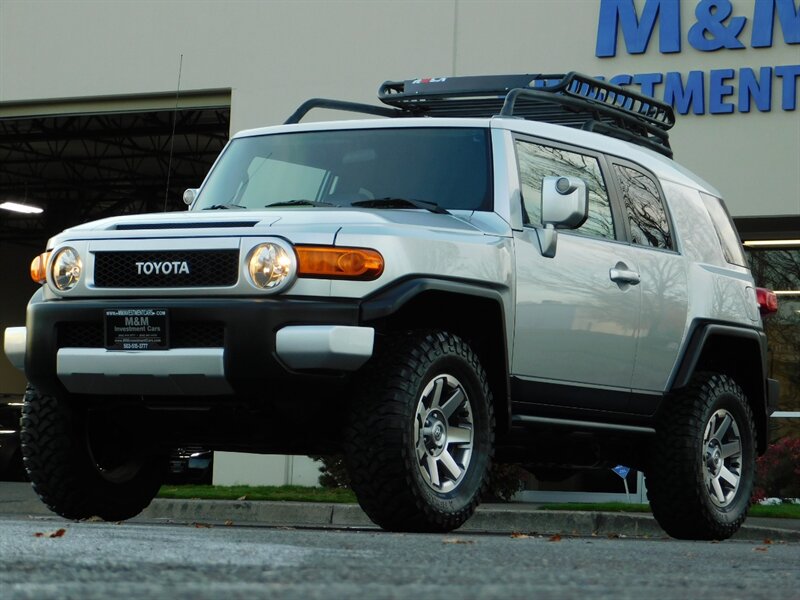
(86, 465)
(702, 467)
(420, 436)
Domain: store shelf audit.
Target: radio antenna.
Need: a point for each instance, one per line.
(172, 137)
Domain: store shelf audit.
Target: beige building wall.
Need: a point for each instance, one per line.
(273, 54)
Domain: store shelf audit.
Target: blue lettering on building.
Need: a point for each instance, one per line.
(720, 89)
(764, 18)
(789, 75)
(621, 14)
(684, 97)
(714, 92)
(716, 26)
(756, 89)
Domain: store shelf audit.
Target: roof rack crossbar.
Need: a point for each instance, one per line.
(624, 134)
(607, 94)
(368, 109)
(633, 129)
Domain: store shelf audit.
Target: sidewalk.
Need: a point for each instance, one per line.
(19, 499)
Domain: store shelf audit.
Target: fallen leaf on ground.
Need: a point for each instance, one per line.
(228, 523)
(519, 536)
(242, 498)
(554, 538)
(760, 549)
(53, 534)
(457, 541)
(767, 542)
(202, 526)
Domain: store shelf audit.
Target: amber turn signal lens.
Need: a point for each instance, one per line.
(39, 267)
(361, 264)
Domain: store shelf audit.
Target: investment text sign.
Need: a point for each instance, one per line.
(716, 27)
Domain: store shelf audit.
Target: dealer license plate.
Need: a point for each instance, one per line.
(136, 329)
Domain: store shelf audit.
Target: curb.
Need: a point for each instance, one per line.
(18, 499)
(487, 519)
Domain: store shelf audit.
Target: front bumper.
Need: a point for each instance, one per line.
(259, 339)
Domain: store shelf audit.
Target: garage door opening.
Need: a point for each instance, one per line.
(110, 160)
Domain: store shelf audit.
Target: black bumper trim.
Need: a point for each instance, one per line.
(250, 325)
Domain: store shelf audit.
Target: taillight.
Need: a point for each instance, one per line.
(767, 301)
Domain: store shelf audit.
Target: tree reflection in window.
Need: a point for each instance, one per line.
(646, 214)
(537, 162)
(779, 269)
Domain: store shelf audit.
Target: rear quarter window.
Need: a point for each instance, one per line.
(726, 232)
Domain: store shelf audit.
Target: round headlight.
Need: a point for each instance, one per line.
(66, 269)
(269, 265)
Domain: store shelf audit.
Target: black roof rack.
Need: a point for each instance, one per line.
(573, 100)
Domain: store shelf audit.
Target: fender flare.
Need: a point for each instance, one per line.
(701, 333)
(389, 300)
(764, 401)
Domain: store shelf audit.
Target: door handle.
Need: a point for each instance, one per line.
(622, 275)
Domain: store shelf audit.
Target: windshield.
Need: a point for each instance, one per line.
(447, 167)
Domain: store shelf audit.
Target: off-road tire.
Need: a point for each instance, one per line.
(381, 447)
(60, 466)
(677, 474)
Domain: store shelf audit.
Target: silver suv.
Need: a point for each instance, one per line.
(504, 269)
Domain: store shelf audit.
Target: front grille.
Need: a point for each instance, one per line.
(182, 334)
(80, 335)
(197, 334)
(166, 269)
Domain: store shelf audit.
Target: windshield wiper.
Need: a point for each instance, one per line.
(223, 206)
(299, 203)
(401, 203)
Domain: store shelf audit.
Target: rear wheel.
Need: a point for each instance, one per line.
(420, 436)
(85, 464)
(702, 468)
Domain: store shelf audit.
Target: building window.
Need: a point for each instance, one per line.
(779, 269)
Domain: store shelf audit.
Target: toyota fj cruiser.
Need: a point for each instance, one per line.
(505, 268)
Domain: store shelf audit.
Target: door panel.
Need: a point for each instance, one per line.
(663, 319)
(573, 323)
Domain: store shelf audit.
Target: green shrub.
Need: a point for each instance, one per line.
(505, 480)
(332, 472)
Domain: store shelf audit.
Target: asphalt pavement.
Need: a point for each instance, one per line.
(19, 499)
(43, 559)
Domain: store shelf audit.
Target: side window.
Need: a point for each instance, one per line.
(537, 162)
(646, 214)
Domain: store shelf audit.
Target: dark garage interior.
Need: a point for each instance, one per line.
(82, 167)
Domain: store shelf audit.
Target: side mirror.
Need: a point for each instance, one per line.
(565, 205)
(189, 196)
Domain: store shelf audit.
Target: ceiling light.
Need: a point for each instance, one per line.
(21, 208)
(753, 243)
